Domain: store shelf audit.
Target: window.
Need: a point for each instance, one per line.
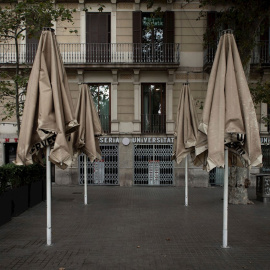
(10, 152)
(264, 42)
(31, 47)
(101, 97)
(153, 108)
(98, 37)
(153, 37)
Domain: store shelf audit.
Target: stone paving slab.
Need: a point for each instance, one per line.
(138, 228)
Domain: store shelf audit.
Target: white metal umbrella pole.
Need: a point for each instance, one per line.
(49, 197)
(85, 179)
(186, 181)
(225, 202)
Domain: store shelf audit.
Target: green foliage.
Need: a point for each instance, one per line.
(17, 19)
(260, 93)
(8, 93)
(16, 176)
(244, 18)
(32, 16)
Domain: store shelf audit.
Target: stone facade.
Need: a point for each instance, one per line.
(126, 80)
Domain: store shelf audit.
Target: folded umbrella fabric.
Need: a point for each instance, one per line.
(229, 117)
(48, 116)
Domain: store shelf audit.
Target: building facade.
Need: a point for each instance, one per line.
(135, 64)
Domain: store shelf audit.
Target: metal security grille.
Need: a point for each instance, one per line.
(153, 164)
(216, 177)
(104, 172)
(266, 159)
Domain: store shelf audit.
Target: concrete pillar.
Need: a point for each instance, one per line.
(137, 102)
(263, 126)
(169, 103)
(80, 75)
(114, 118)
(137, 5)
(82, 21)
(113, 22)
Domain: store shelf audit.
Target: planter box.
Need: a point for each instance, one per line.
(19, 200)
(5, 207)
(263, 187)
(35, 193)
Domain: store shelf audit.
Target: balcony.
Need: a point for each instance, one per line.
(153, 123)
(74, 54)
(260, 55)
(105, 122)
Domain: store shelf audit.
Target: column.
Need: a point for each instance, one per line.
(80, 75)
(137, 102)
(114, 120)
(137, 5)
(263, 126)
(82, 21)
(169, 103)
(113, 22)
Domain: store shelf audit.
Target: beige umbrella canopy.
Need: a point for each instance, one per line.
(229, 117)
(229, 122)
(48, 115)
(85, 139)
(185, 131)
(186, 125)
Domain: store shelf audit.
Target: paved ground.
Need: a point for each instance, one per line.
(138, 228)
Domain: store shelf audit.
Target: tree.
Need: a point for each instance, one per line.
(17, 20)
(246, 19)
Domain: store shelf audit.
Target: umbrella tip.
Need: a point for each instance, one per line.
(48, 29)
(227, 31)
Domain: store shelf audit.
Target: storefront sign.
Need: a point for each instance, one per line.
(146, 140)
(154, 140)
(108, 140)
(265, 140)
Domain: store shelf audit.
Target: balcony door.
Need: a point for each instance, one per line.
(153, 109)
(153, 37)
(101, 97)
(98, 37)
(31, 47)
(265, 42)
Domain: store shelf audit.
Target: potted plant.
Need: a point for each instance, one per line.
(35, 176)
(5, 198)
(18, 181)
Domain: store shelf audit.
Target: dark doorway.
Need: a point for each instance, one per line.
(98, 37)
(10, 152)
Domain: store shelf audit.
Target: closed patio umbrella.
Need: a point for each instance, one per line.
(48, 116)
(185, 131)
(85, 139)
(229, 119)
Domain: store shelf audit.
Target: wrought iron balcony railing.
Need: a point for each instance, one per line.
(153, 123)
(81, 53)
(105, 122)
(260, 53)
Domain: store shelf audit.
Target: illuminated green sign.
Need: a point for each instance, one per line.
(152, 21)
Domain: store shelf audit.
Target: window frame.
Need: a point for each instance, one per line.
(162, 127)
(98, 111)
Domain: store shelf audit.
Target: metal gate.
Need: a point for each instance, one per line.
(103, 172)
(153, 164)
(216, 176)
(266, 159)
